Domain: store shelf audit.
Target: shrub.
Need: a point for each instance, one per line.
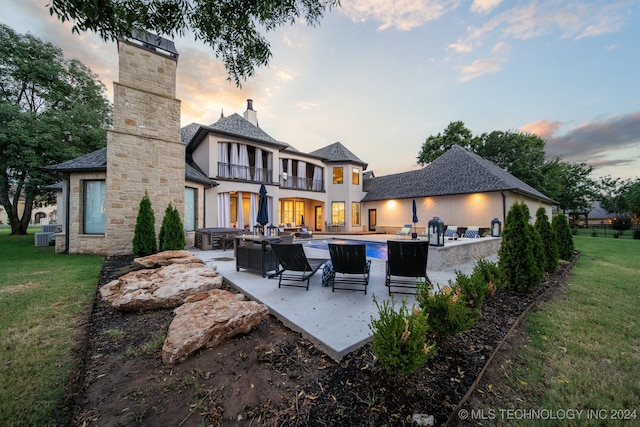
(543, 226)
(172, 231)
(594, 232)
(448, 312)
(560, 227)
(144, 236)
(471, 289)
(399, 337)
(636, 234)
(517, 254)
(490, 274)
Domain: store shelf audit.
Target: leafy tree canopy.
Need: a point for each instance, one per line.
(51, 110)
(231, 27)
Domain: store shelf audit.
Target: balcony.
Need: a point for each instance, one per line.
(301, 183)
(244, 173)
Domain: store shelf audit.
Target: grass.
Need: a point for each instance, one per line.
(583, 351)
(42, 295)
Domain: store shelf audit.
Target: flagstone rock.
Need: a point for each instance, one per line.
(207, 319)
(164, 287)
(161, 259)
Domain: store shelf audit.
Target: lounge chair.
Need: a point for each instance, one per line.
(294, 266)
(472, 232)
(406, 262)
(406, 230)
(349, 267)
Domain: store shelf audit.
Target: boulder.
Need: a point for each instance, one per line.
(165, 287)
(161, 259)
(207, 319)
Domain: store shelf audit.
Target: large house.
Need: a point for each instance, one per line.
(213, 174)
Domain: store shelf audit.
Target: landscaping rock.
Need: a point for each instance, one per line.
(161, 259)
(165, 287)
(207, 319)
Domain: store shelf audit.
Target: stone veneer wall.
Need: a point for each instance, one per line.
(81, 243)
(144, 151)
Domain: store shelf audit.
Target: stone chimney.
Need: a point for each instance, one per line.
(251, 115)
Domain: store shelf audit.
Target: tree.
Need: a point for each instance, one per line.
(520, 154)
(51, 110)
(560, 226)
(172, 232)
(570, 184)
(549, 242)
(518, 250)
(230, 27)
(144, 235)
(455, 134)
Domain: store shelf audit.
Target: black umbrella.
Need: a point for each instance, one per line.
(263, 213)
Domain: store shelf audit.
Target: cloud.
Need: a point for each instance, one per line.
(401, 14)
(535, 19)
(484, 66)
(306, 105)
(484, 6)
(592, 140)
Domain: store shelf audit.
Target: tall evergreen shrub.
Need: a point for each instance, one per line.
(560, 226)
(172, 231)
(517, 253)
(144, 236)
(549, 242)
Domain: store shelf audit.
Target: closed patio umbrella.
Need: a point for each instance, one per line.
(263, 211)
(415, 217)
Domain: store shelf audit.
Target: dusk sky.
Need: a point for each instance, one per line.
(382, 76)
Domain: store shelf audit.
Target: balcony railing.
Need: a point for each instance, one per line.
(301, 183)
(245, 173)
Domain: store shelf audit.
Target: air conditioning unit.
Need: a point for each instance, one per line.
(42, 239)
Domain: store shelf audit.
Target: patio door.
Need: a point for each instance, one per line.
(373, 219)
(318, 218)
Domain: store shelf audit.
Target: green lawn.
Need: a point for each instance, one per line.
(583, 351)
(42, 295)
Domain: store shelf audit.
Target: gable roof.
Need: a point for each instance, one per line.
(338, 153)
(457, 171)
(96, 161)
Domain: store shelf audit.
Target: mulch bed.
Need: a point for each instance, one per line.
(272, 376)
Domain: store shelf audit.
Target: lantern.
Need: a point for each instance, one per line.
(272, 231)
(436, 232)
(496, 227)
(258, 230)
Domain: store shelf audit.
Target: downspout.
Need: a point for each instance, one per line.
(504, 206)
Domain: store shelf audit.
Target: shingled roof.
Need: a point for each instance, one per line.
(96, 161)
(457, 171)
(338, 153)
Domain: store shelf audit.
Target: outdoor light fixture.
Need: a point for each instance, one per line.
(272, 231)
(258, 230)
(496, 227)
(436, 232)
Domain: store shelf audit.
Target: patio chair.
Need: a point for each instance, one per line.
(406, 262)
(350, 267)
(451, 231)
(406, 230)
(304, 232)
(472, 232)
(294, 266)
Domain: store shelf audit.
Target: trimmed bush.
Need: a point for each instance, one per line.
(517, 254)
(172, 231)
(399, 337)
(561, 229)
(144, 236)
(448, 312)
(543, 227)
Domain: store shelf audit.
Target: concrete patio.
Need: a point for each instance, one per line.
(337, 322)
